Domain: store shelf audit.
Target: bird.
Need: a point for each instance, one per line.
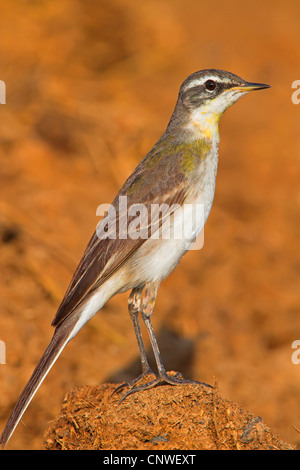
(178, 173)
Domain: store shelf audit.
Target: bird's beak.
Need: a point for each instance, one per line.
(249, 86)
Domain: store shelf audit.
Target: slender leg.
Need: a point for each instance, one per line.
(134, 307)
(146, 312)
(147, 307)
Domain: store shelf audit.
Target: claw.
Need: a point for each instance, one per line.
(132, 383)
(161, 379)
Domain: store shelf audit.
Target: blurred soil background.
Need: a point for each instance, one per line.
(90, 88)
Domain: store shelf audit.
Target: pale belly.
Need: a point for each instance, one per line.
(156, 258)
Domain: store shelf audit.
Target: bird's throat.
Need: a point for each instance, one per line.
(205, 124)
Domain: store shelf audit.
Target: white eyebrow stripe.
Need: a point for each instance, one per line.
(199, 81)
(195, 83)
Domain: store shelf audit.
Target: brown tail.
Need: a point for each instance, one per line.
(61, 336)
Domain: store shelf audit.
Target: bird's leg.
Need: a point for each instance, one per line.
(146, 312)
(147, 307)
(134, 306)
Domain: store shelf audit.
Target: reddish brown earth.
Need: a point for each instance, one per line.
(90, 87)
(164, 418)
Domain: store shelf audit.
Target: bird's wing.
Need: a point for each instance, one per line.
(103, 257)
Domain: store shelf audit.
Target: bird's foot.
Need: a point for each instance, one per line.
(132, 383)
(160, 379)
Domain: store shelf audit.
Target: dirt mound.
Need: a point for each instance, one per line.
(162, 418)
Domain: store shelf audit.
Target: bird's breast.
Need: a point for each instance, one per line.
(203, 181)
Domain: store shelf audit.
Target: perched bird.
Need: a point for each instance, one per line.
(178, 173)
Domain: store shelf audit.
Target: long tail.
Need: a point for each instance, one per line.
(61, 336)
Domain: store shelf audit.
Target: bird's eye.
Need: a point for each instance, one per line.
(210, 85)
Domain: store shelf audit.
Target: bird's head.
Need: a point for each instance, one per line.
(205, 95)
